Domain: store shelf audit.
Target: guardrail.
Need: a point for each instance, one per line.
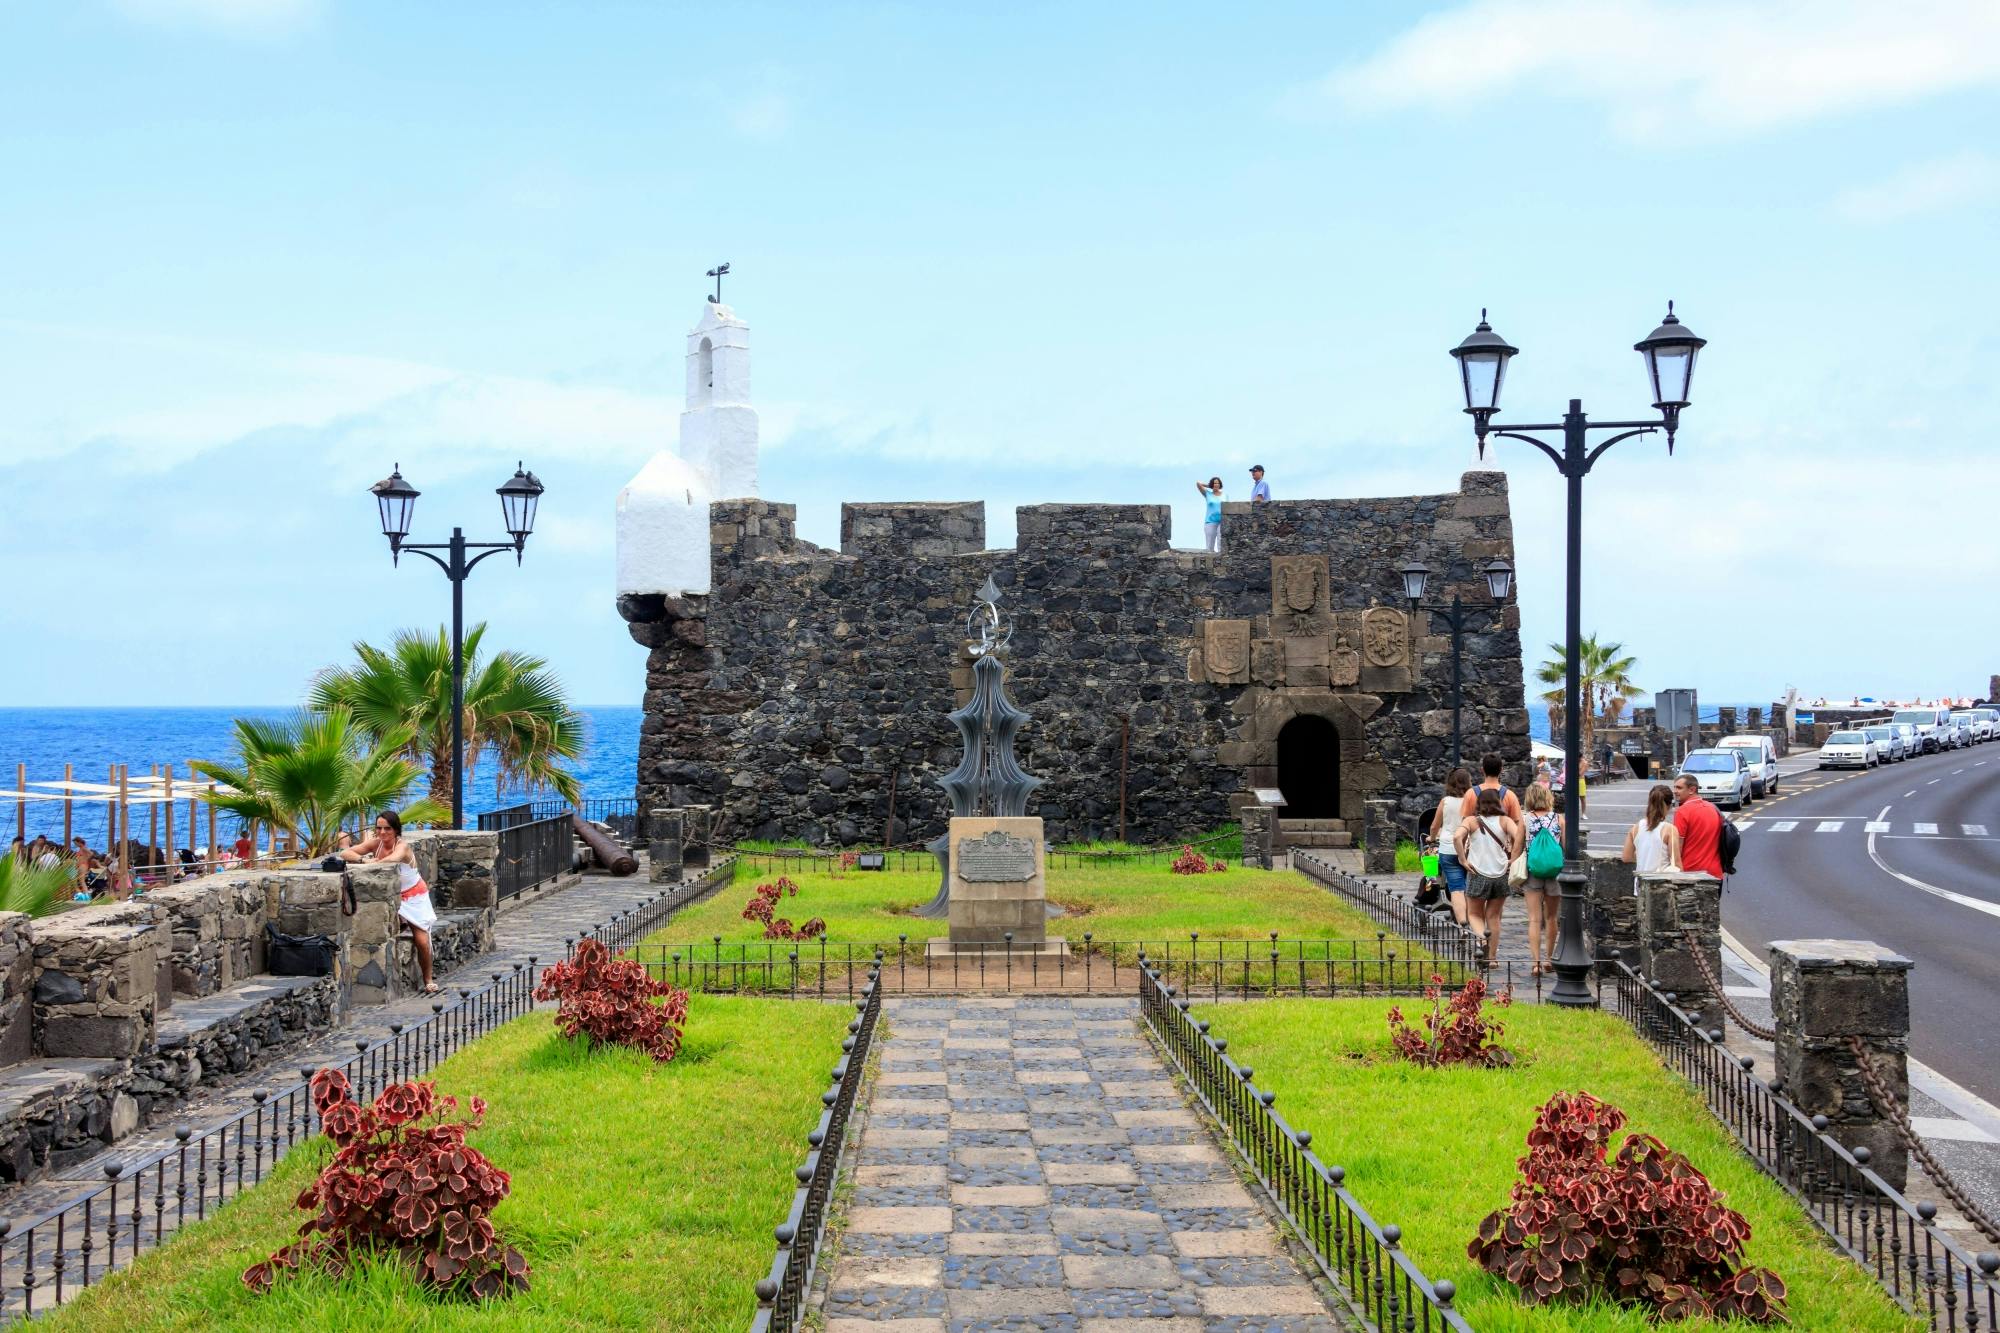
(491, 820)
(1220, 969)
(1364, 1259)
(621, 813)
(532, 853)
(1924, 1270)
(1436, 931)
(781, 1294)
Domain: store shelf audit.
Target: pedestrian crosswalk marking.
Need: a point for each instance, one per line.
(1873, 827)
(1973, 830)
(1829, 826)
(1876, 826)
(1784, 825)
(1922, 829)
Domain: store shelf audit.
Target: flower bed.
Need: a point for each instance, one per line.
(643, 1194)
(1435, 1150)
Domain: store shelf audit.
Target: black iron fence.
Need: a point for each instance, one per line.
(1436, 930)
(1922, 1268)
(492, 820)
(1363, 1258)
(47, 1259)
(781, 1294)
(620, 813)
(1214, 968)
(532, 853)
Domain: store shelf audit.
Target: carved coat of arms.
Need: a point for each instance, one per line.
(1226, 651)
(1343, 664)
(1299, 585)
(1384, 636)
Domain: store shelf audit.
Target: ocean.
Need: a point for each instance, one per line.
(1538, 713)
(93, 739)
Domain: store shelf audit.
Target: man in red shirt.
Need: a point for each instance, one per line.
(1700, 826)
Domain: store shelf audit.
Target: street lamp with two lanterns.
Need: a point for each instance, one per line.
(1416, 579)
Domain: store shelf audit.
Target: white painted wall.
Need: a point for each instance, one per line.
(663, 512)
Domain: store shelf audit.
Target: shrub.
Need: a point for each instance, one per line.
(1455, 1033)
(763, 907)
(1644, 1228)
(402, 1180)
(1192, 862)
(611, 1001)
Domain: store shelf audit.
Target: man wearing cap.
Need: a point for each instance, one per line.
(1261, 491)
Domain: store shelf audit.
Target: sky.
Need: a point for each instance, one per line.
(253, 253)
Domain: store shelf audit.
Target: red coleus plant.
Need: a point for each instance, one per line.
(612, 1000)
(763, 907)
(402, 1181)
(1192, 862)
(1457, 1032)
(1642, 1228)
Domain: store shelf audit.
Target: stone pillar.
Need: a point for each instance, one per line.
(1754, 721)
(369, 973)
(1611, 910)
(1823, 991)
(697, 826)
(1257, 824)
(460, 866)
(664, 831)
(96, 986)
(1680, 915)
(1726, 718)
(1379, 834)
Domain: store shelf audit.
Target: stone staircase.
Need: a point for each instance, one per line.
(1314, 833)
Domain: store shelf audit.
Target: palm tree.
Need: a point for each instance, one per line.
(33, 889)
(1603, 675)
(514, 710)
(311, 773)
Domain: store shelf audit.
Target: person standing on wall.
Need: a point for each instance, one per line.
(1211, 523)
(1260, 490)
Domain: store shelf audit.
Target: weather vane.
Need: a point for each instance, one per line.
(717, 273)
(985, 631)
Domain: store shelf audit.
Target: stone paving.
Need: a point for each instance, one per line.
(1029, 1163)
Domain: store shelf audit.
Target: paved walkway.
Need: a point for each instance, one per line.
(1029, 1163)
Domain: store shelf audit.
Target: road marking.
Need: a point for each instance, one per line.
(1921, 829)
(1976, 904)
(1908, 794)
(1784, 825)
(1828, 826)
(1933, 782)
(1973, 830)
(1956, 771)
(1876, 826)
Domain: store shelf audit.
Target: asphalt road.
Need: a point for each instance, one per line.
(1907, 855)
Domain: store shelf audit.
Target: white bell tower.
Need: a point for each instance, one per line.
(663, 512)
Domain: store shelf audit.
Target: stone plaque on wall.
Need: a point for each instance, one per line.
(1343, 664)
(1305, 659)
(1385, 636)
(1267, 661)
(1299, 594)
(1226, 651)
(996, 857)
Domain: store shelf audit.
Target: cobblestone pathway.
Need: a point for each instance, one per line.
(1031, 1164)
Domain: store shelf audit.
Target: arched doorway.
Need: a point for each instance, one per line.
(1309, 768)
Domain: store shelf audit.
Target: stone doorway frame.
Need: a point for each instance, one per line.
(1265, 711)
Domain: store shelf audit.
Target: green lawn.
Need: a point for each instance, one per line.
(644, 1196)
(1119, 901)
(1434, 1150)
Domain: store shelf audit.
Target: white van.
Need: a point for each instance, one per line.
(1933, 727)
(1760, 760)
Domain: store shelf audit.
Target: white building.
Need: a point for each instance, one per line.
(663, 512)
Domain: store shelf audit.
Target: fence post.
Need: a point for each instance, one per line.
(697, 826)
(1822, 993)
(1680, 938)
(1379, 834)
(1257, 829)
(1611, 910)
(664, 834)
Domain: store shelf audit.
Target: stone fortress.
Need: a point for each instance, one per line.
(801, 692)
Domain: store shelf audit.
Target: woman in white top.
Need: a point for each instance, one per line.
(386, 847)
(1654, 843)
(1488, 841)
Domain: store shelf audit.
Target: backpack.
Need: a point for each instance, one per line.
(1545, 854)
(1728, 841)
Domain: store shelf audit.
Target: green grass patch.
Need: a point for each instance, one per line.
(644, 1195)
(1408, 859)
(1434, 1151)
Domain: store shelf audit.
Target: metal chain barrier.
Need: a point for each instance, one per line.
(1743, 1020)
(1892, 1110)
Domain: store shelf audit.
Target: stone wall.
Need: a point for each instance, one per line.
(17, 984)
(215, 931)
(458, 866)
(793, 695)
(1680, 920)
(96, 984)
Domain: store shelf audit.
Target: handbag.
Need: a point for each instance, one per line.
(1517, 871)
(297, 955)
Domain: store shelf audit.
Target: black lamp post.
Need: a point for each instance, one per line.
(1416, 577)
(397, 499)
(1669, 352)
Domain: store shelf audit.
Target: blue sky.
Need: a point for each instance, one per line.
(255, 251)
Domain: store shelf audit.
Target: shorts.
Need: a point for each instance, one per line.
(1453, 871)
(1479, 886)
(1536, 884)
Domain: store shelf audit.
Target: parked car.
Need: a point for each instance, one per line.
(1849, 749)
(1719, 775)
(1931, 724)
(1760, 757)
(1959, 727)
(1912, 745)
(1982, 728)
(1890, 746)
(1992, 719)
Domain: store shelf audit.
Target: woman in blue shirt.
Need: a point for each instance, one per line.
(1211, 526)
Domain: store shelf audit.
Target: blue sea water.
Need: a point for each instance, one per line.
(1538, 714)
(91, 740)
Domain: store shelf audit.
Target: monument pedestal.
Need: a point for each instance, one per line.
(999, 889)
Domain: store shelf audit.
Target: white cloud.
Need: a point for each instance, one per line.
(1922, 187)
(232, 18)
(1651, 64)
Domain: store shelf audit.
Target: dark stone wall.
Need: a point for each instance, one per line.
(789, 696)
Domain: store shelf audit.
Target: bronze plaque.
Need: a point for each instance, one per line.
(1226, 651)
(1385, 636)
(995, 858)
(1344, 664)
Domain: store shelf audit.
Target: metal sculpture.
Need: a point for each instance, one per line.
(988, 780)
